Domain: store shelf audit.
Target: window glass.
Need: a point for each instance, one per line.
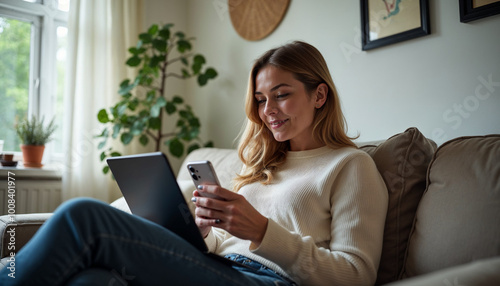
(62, 42)
(63, 5)
(15, 41)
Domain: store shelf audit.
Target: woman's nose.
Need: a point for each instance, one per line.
(270, 107)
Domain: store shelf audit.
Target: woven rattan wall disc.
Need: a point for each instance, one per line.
(256, 19)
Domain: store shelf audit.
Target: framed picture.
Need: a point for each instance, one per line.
(476, 9)
(386, 22)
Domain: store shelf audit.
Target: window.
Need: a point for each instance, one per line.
(33, 41)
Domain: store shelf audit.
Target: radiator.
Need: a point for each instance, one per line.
(33, 192)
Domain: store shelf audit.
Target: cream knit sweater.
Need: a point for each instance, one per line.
(326, 211)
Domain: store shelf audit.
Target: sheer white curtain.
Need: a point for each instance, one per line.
(100, 33)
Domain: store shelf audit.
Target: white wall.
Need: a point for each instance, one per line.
(428, 82)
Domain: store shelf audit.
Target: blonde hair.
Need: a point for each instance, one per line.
(258, 150)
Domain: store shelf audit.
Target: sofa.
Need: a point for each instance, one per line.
(443, 219)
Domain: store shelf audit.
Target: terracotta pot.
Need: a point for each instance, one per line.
(32, 155)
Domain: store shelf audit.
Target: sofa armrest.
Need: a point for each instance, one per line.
(16, 231)
(482, 272)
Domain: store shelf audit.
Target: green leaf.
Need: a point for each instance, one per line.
(160, 45)
(120, 110)
(150, 96)
(125, 83)
(155, 61)
(105, 170)
(196, 67)
(139, 44)
(180, 35)
(164, 33)
(199, 59)
(184, 61)
(115, 154)
(185, 73)
(153, 29)
(133, 61)
(146, 38)
(175, 147)
(103, 156)
(209, 144)
(194, 122)
(104, 133)
(193, 133)
(154, 123)
(125, 89)
(193, 147)
(181, 123)
(156, 108)
(132, 105)
(184, 114)
(136, 51)
(116, 130)
(102, 116)
(170, 108)
(137, 128)
(202, 79)
(183, 46)
(211, 73)
(144, 140)
(101, 144)
(126, 138)
(177, 99)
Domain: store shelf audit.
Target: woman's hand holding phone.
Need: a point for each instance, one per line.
(219, 207)
(231, 212)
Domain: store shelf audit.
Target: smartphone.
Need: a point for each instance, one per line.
(203, 173)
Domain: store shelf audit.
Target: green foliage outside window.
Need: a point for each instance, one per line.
(14, 78)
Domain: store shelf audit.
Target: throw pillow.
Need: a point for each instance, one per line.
(457, 219)
(402, 160)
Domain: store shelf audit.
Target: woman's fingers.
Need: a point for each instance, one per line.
(218, 192)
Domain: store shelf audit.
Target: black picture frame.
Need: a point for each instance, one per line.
(368, 44)
(469, 13)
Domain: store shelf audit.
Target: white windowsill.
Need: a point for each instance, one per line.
(47, 172)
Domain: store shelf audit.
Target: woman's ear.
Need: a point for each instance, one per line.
(321, 95)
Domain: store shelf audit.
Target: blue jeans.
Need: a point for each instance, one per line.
(87, 242)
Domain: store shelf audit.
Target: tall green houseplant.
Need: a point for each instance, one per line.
(144, 102)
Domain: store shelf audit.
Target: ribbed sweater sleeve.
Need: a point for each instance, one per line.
(326, 210)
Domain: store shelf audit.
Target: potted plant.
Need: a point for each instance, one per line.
(145, 107)
(34, 135)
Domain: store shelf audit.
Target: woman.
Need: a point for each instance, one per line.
(309, 208)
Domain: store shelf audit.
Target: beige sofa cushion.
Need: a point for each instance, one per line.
(402, 160)
(484, 272)
(457, 220)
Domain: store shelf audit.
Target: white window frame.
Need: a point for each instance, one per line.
(45, 18)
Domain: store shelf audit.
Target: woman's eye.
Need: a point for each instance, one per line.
(282, 95)
(260, 101)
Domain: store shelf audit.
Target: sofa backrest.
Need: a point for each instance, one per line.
(402, 161)
(458, 218)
